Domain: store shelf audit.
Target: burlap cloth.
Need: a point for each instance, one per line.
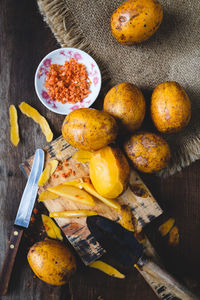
(171, 54)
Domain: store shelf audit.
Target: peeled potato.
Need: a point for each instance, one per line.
(52, 261)
(109, 172)
(126, 103)
(170, 107)
(135, 21)
(148, 152)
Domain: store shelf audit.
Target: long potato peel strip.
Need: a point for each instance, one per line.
(46, 195)
(14, 128)
(72, 193)
(72, 214)
(76, 182)
(82, 156)
(127, 219)
(31, 112)
(166, 227)
(109, 270)
(109, 202)
(52, 230)
(48, 171)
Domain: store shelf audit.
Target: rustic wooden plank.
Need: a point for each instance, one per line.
(137, 197)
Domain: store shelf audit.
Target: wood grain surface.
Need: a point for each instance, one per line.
(137, 197)
(24, 41)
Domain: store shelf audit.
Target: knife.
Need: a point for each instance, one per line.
(126, 250)
(22, 219)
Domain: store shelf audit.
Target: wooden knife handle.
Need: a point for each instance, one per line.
(163, 284)
(9, 260)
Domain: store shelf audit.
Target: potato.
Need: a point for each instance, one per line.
(52, 261)
(135, 21)
(109, 172)
(148, 152)
(126, 103)
(170, 107)
(89, 129)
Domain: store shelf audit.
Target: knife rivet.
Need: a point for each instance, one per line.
(15, 232)
(12, 246)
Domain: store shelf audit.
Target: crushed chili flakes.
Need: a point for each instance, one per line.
(86, 179)
(59, 167)
(67, 173)
(35, 210)
(32, 219)
(68, 83)
(55, 175)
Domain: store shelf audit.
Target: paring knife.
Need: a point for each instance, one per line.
(126, 250)
(22, 219)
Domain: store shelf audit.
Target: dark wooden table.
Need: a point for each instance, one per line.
(24, 40)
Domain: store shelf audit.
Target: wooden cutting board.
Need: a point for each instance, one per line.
(137, 197)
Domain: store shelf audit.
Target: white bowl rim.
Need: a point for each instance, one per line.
(55, 51)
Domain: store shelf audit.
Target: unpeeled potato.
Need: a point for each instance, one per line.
(126, 103)
(109, 171)
(135, 21)
(148, 152)
(89, 129)
(170, 107)
(52, 261)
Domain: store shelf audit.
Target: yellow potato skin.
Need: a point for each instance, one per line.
(148, 152)
(109, 172)
(170, 107)
(52, 261)
(126, 103)
(89, 129)
(135, 21)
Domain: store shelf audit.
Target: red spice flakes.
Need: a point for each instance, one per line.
(55, 175)
(35, 210)
(32, 219)
(77, 165)
(86, 179)
(68, 83)
(67, 173)
(59, 167)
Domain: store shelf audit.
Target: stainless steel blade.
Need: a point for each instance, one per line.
(30, 191)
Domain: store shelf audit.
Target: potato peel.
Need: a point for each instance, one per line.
(52, 230)
(47, 195)
(109, 202)
(82, 156)
(72, 193)
(107, 269)
(14, 128)
(72, 214)
(31, 112)
(128, 221)
(174, 236)
(166, 227)
(76, 182)
(48, 171)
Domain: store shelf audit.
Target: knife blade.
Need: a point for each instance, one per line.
(30, 191)
(124, 247)
(22, 219)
